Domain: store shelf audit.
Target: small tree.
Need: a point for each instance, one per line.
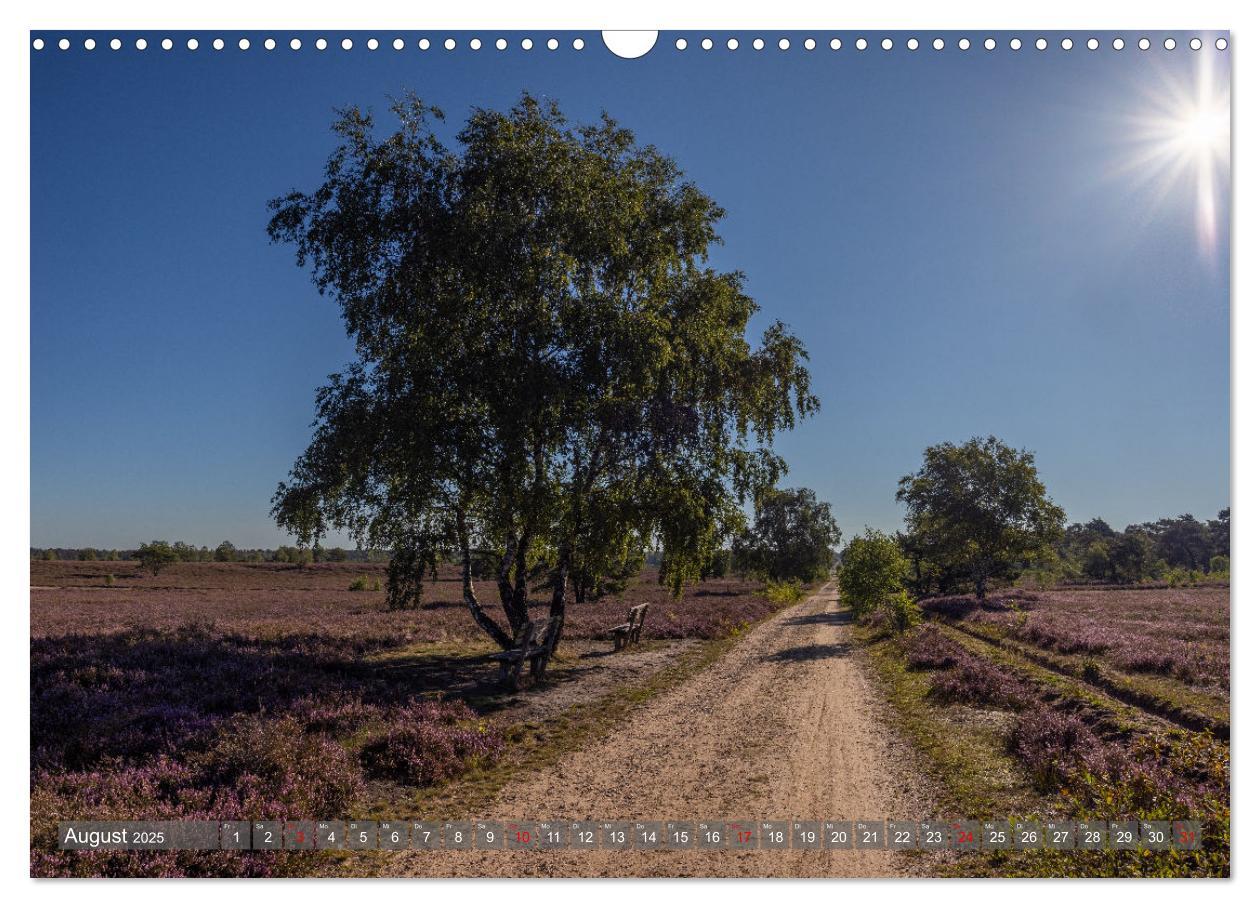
(88, 555)
(156, 556)
(225, 551)
(872, 570)
(980, 508)
(790, 539)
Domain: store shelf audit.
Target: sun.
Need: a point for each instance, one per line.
(1183, 139)
(1205, 130)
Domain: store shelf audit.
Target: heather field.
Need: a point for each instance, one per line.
(1080, 703)
(243, 691)
(279, 600)
(1175, 633)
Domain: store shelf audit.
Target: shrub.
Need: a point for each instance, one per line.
(900, 612)
(363, 583)
(872, 569)
(784, 592)
(273, 764)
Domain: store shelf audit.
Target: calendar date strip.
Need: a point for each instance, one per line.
(665, 835)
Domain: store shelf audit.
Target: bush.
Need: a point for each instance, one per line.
(1219, 565)
(900, 612)
(872, 570)
(785, 592)
(363, 583)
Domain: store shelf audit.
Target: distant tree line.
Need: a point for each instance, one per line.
(224, 552)
(1175, 549)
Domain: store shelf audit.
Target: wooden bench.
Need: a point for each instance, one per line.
(625, 634)
(535, 641)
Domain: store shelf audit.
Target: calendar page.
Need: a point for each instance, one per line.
(514, 453)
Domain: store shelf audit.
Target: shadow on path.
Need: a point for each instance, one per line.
(810, 653)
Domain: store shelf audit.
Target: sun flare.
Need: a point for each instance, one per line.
(1184, 139)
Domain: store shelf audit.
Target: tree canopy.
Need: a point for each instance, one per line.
(544, 354)
(978, 510)
(790, 538)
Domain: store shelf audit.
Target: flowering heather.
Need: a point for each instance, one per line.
(426, 742)
(231, 691)
(929, 648)
(962, 677)
(1169, 775)
(1178, 633)
(273, 601)
(1053, 745)
(980, 683)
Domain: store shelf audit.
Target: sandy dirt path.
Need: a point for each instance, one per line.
(785, 726)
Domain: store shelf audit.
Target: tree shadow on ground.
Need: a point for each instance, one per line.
(136, 693)
(811, 653)
(836, 618)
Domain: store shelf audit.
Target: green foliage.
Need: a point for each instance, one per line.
(976, 512)
(88, 555)
(900, 611)
(790, 538)
(1219, 566)
(784, 592)
(485, 564)
(1176, 577)
(363, 583)
(225, 551)
(336, 554)
(545, 358)
(718, 565)
(156, 556)
(1142, 789)
(289, 554)
(1180, 548)
(109, 580)
(50, 555)
(872, 570)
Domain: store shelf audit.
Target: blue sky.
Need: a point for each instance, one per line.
(968, 242)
